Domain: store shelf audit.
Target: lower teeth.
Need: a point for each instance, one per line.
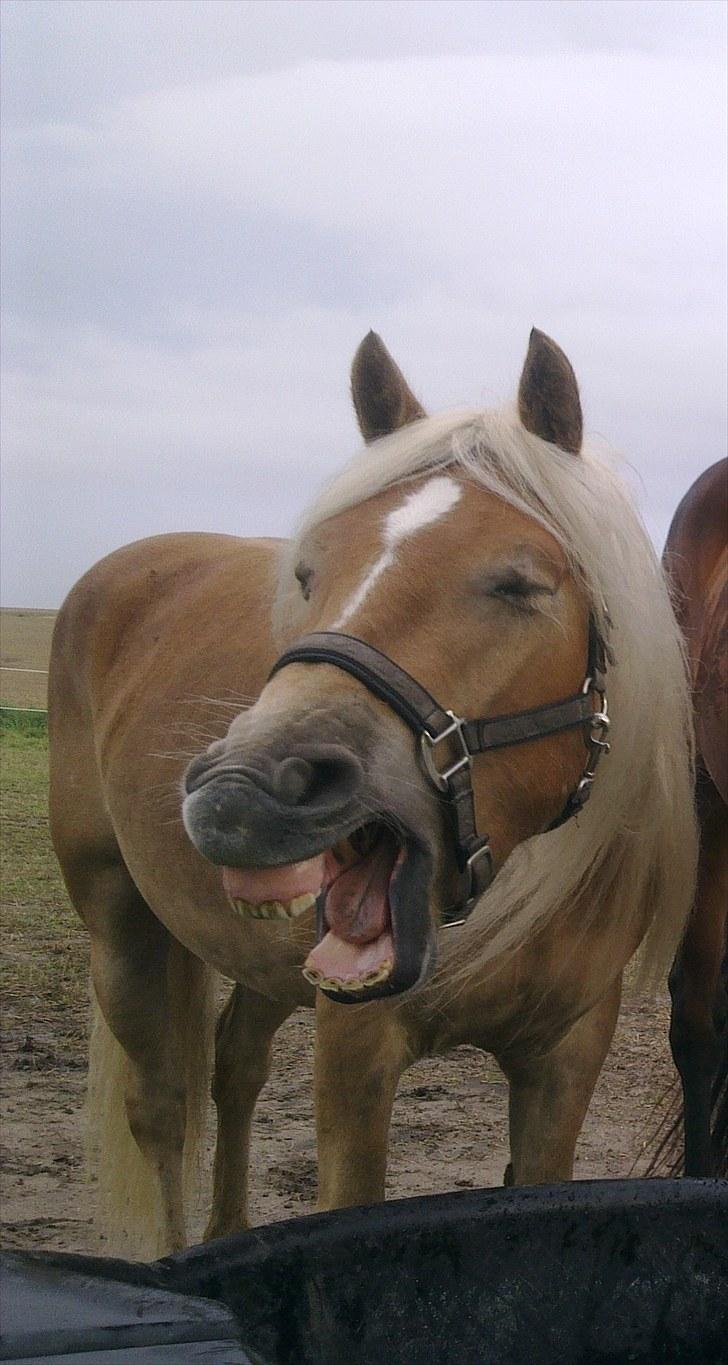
(353, 984)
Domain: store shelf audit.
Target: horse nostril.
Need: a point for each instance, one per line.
(292, 780)
(325, 777)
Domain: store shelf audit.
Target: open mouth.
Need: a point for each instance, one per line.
(371, 893)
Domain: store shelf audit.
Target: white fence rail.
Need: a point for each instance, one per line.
(26, 710)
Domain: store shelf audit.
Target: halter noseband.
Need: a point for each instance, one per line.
(433, 724)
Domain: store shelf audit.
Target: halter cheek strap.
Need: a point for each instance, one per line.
(433, 724)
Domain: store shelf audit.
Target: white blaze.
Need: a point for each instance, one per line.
(419, 509)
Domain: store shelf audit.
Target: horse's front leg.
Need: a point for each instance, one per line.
(549, 1095)
(243, 1040)
(361, 1052)
(140, 1185)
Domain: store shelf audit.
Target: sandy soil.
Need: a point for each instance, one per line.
(449, 1127)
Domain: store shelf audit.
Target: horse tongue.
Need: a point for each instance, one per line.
(349, 961)
(357, 900)
(358, 919)
(274, 883)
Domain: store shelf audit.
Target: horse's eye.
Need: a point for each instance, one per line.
(305, 578)
(518, 591)
(515, 587)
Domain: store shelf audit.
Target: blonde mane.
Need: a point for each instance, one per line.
(631, 854)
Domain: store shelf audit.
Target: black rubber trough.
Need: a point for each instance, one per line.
(605, 1271)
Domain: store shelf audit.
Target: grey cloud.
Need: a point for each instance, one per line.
(197, 234)
(86, 53)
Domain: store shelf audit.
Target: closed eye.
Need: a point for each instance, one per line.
(304, 574)
(514, 588)
(517, 587)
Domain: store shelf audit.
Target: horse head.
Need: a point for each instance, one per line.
(319, 795)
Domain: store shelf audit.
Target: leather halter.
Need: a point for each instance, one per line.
(432, 723)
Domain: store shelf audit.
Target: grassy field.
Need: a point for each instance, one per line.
(43, 967)
(25, 645)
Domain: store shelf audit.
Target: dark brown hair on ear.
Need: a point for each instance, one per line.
(382, 398)
(548, 395)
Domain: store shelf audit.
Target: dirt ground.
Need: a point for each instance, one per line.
(449, 1127)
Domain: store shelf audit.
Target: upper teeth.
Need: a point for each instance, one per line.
(276, 909)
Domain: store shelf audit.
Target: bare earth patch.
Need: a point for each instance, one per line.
(449, 1128)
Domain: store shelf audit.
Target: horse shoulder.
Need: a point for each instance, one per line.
(158, 624)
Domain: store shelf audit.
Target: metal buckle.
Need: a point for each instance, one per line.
(483, 852)
(601, 717)
(471, 897)
(427, 746)
(598, 726)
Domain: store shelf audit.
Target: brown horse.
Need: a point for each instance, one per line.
(696, 559)
(459, 590)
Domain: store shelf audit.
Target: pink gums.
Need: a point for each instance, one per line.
(282, 884)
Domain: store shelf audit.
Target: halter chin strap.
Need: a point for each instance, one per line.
(433, 724)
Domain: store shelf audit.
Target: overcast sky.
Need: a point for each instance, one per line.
(207, 204)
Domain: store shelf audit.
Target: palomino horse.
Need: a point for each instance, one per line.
(696, 559)
(480, 559)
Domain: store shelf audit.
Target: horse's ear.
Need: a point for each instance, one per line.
(548, 395)
(382, 398)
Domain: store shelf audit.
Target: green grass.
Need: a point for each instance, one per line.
(43, 970)
(14, 721)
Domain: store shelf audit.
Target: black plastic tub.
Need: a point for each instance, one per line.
(604, 1271)
(610, 1271)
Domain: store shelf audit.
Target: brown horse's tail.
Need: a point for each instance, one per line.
(129, 1211)
(668, 1157)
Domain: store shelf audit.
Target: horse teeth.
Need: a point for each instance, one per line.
(244, 908)
(275, 909)
(301, 904)
(335, 983)
(380, 973)
(352, 984)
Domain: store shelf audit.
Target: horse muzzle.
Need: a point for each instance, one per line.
(307, 829)
(271, 811)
